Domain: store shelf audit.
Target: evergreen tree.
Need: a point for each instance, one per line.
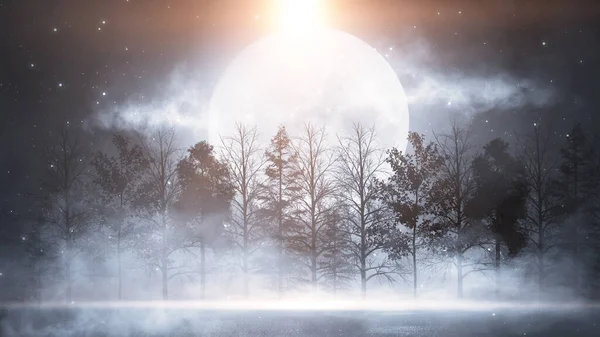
(278, 193)
(204, 200)
(500, 199)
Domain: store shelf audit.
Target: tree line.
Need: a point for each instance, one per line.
(307, 213)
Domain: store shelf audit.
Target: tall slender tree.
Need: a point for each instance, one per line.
(543, 206)
(205, 199)
(63, 186)
(360, 163)
(279, 192)
(407, 193)
(244, 157)
(118, 179)
(575, 187)
(154, 203)
(314, 204)
(450, 195)
(338, 263)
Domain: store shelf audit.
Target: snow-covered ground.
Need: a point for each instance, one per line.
(426, 323)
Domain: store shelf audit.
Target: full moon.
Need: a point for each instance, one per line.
(329, 78)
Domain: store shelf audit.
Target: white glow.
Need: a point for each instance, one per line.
(299, 15)
(331, 79)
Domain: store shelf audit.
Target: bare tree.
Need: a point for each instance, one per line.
(244, 157)
(155, 200)
(337, 265)
(456, 232)
(360, 162)
(118, 179)
(64, 208)
(542, 205)
(315, 192)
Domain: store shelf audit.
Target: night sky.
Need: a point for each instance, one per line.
(67, 60)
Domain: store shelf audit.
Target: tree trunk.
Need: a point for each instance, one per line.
(120, 270)
(363, 276)
(540, 257)
(202, 271)
(165, 280)
(497, 266)
(68, 280)
(459, 270)
(245, 272)
(414, 258)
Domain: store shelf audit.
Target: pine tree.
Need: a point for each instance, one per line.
(205, 199)
(278, 193)
(500, 199)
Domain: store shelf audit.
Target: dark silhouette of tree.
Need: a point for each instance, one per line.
(500, 199)
(536, 154)
(205, 199)
(278, 193)
(457, 233)
(338, 262)
(407, 193)
(154, 203)
(575, 187)
(315, 193)
(63, 187)
(118, 179)
(243, 155)
(360, 162)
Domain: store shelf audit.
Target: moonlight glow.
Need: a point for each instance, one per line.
(330, 78)
(299, 15)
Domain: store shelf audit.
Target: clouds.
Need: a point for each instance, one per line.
(427, 81)
(432, 90)
(180, 102)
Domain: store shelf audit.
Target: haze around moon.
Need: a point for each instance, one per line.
(329, 78)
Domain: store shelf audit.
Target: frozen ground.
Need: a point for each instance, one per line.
(155, 322)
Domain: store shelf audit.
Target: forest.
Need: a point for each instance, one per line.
(146, 218)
